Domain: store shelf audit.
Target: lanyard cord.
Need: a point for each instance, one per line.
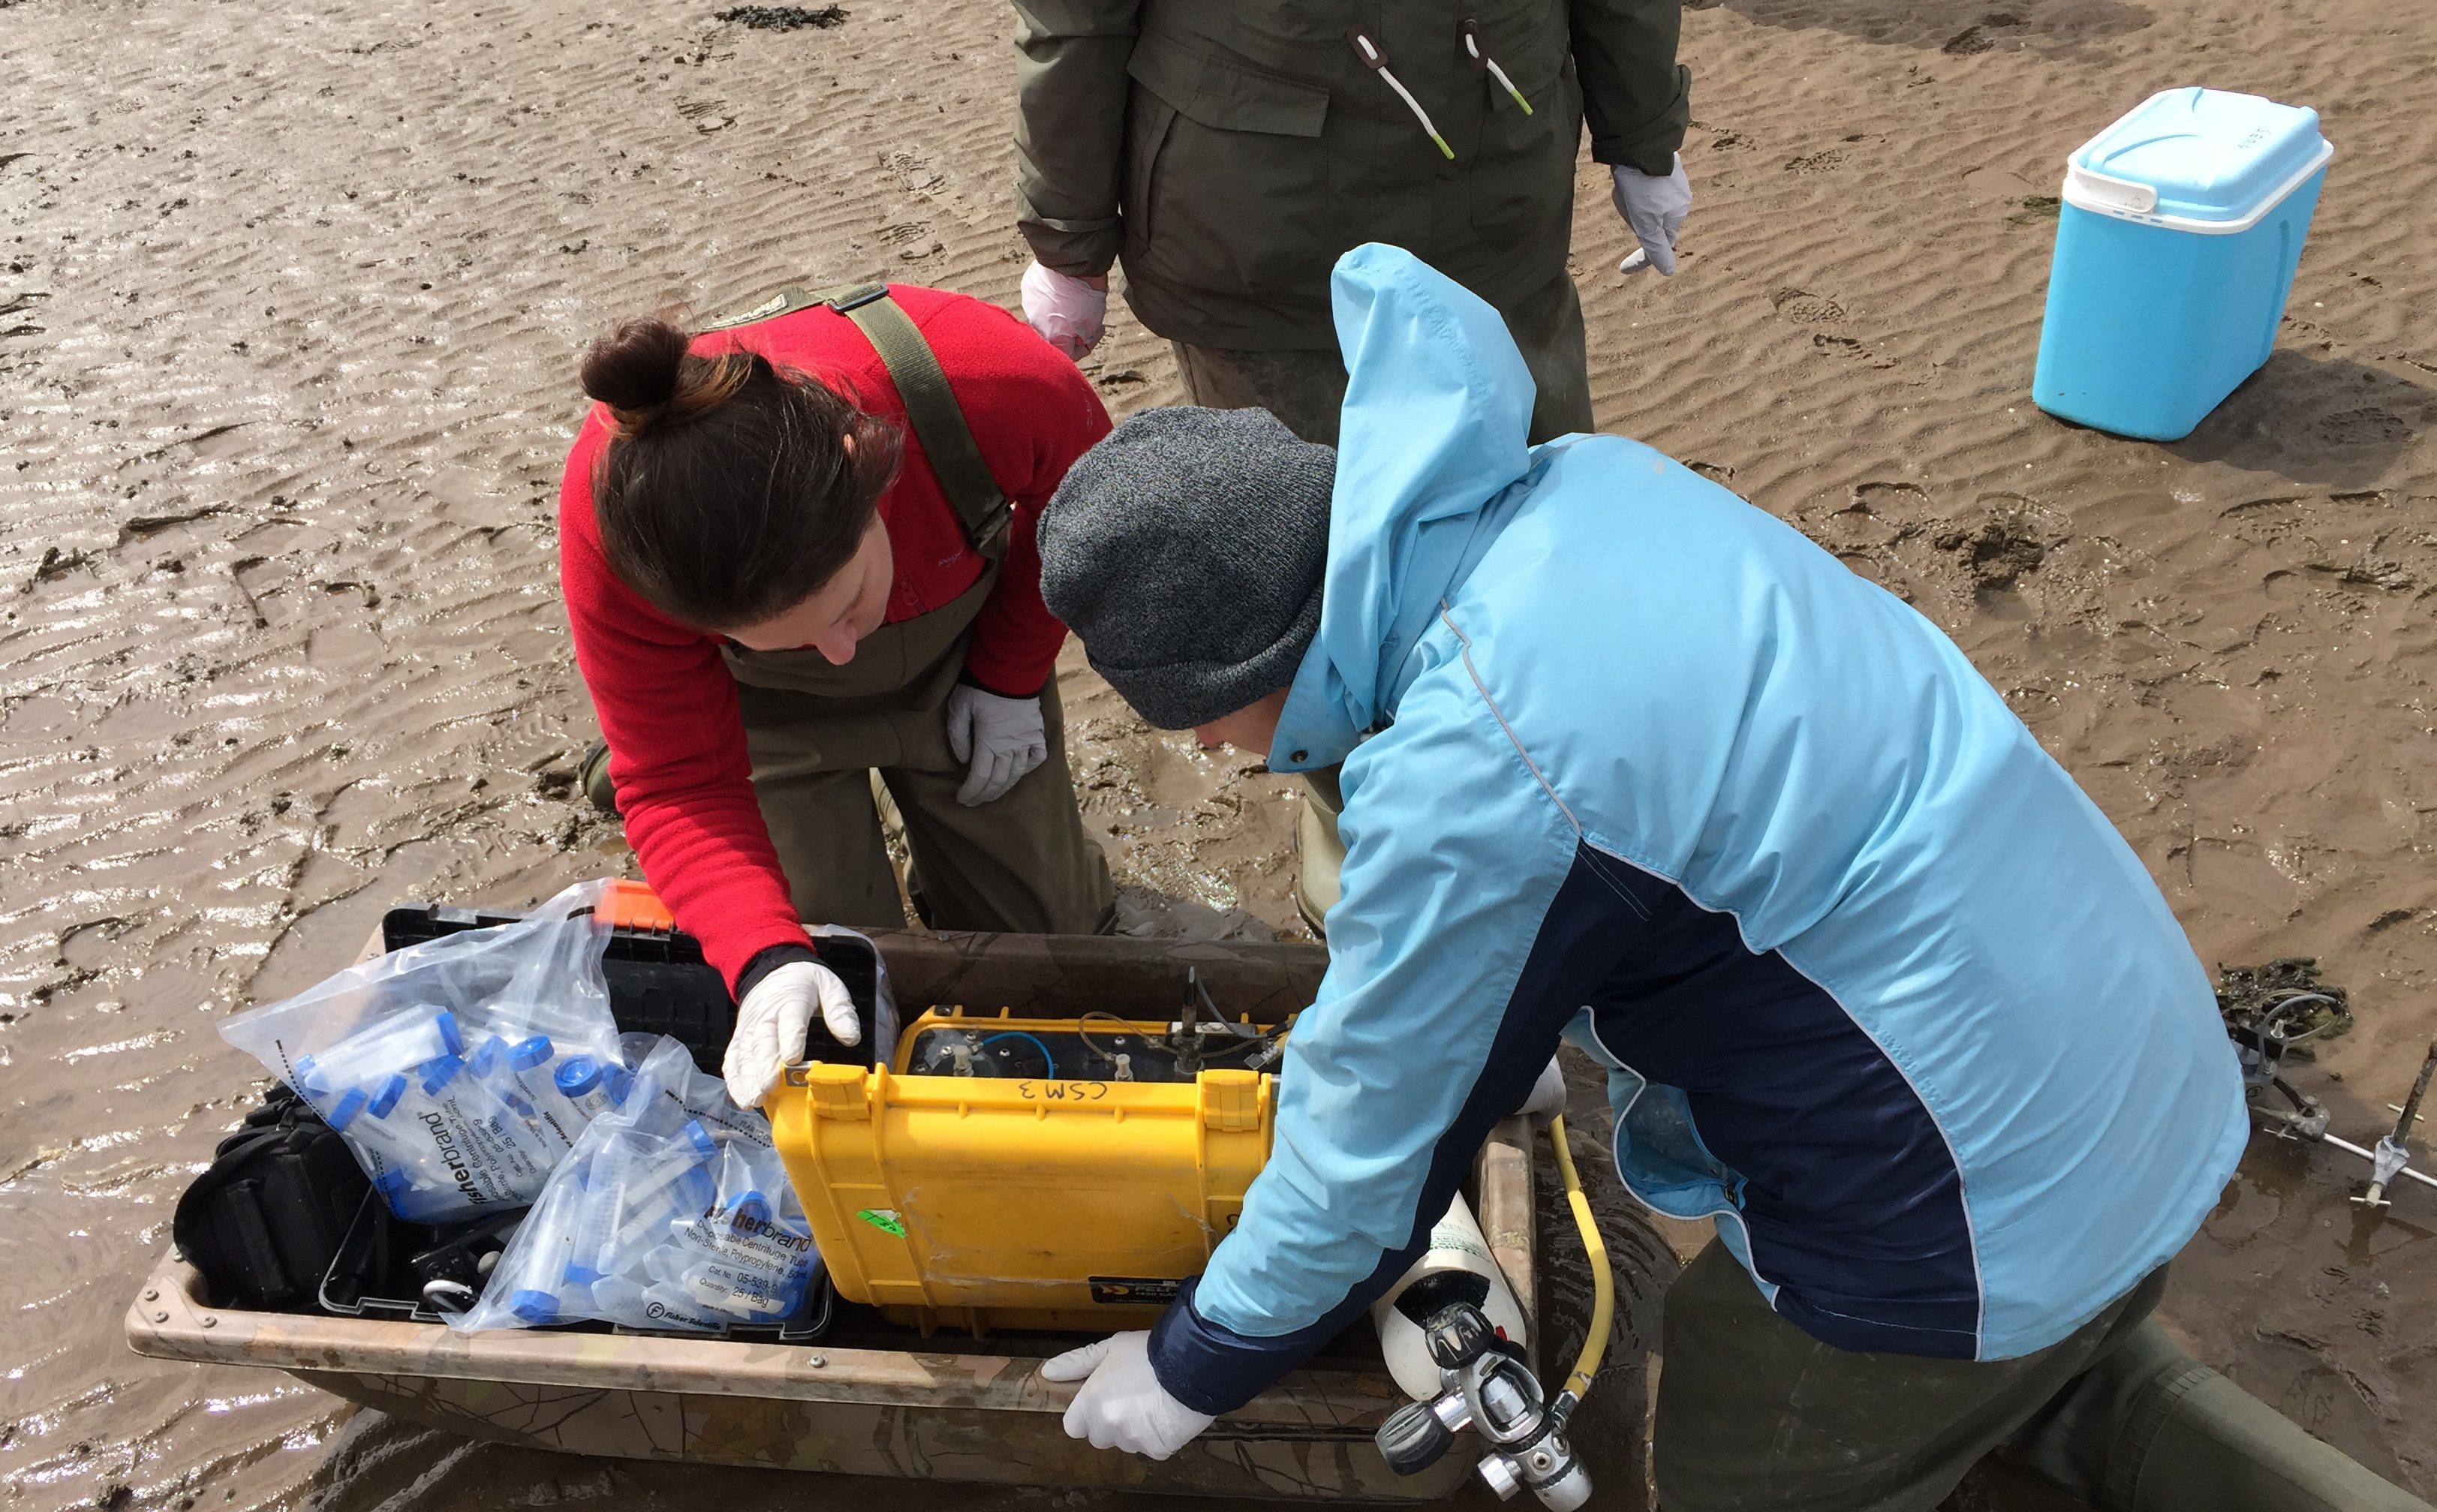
(1376, 61)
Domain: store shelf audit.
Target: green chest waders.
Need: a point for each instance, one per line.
(816, 730)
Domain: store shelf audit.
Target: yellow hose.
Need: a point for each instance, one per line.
(1603, 1279)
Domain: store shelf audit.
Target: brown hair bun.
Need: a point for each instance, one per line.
(730, 491)
(635, 369)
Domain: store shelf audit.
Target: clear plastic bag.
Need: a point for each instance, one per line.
(462, 1071)
(674, 1213)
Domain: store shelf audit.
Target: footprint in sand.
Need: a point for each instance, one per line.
(1976, 38)
(2352, 428)
(1886, 498)
(1803, 305)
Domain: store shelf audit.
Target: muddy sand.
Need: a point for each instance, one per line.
(289, 296)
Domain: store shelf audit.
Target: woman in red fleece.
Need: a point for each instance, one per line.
(772, 596)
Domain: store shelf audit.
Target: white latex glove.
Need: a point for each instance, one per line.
(1068, 312)
(771, 1023)
(1122, 1404)
(1653, 208)
(1548, 1097)
(999, 738)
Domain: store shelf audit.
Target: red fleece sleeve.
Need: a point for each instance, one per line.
(1031, 413)
(668, 707)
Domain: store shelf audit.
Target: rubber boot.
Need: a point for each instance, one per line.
(592, 776)
(2222, 1450)
(2150, 1429)
(1319, 854)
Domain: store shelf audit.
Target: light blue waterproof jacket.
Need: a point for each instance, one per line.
(1648, 769)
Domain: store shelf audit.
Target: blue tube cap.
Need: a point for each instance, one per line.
(751, 1208)
(309, 1080)
(620, 1081)
(438, 1072)
(386, 1097)
(393, 1186)
(349, 1105)
(577, 1075)
(527, 1053)
(700, 1138)
(486, 1055)
(452, 1038)
(535, 1307)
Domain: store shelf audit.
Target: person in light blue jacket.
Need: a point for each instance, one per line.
(1629, 761)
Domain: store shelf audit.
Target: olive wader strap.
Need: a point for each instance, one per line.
(931, 406)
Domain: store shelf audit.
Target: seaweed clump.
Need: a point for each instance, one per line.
(2288, 995)
(785, 18)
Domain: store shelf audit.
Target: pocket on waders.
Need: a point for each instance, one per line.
(1227, 176)
(1521, 179)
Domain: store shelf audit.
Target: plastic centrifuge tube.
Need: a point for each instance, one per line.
(535, 1307)
(488, 1054)
(478, 1089)
(669, 1182)
(553, 1115)
(588, 1087)
(588, 1250)
(669, 1305)
(664, 1264)
(508, 1069)
(368, 1056)
(619, 1299)
(502, 1067)
(737, 1294)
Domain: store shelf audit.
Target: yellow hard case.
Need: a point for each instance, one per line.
(986, 1203)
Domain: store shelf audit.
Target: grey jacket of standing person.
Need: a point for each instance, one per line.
(1229, 151)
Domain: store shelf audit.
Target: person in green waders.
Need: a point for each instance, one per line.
(796, 550)
(1227, 155)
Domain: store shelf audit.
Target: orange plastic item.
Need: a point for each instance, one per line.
(635, 906)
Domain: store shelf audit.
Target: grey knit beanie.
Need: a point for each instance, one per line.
(1186, 550)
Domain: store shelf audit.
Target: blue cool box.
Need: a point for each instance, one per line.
(2175, 250)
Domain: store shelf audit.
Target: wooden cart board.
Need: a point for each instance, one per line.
(935, 1410)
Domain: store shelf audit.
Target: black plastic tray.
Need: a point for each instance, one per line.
(370, 1278)
(660, 983)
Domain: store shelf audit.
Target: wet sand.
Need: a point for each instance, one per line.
(289, 298)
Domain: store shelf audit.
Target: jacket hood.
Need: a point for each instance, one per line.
(1438, 407)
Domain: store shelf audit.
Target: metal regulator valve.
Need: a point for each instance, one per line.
(1484, 1385)
(1485, 1388)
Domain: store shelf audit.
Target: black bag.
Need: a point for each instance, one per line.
(264, 1221)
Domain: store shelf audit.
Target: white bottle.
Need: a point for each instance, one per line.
(1457, 1247)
